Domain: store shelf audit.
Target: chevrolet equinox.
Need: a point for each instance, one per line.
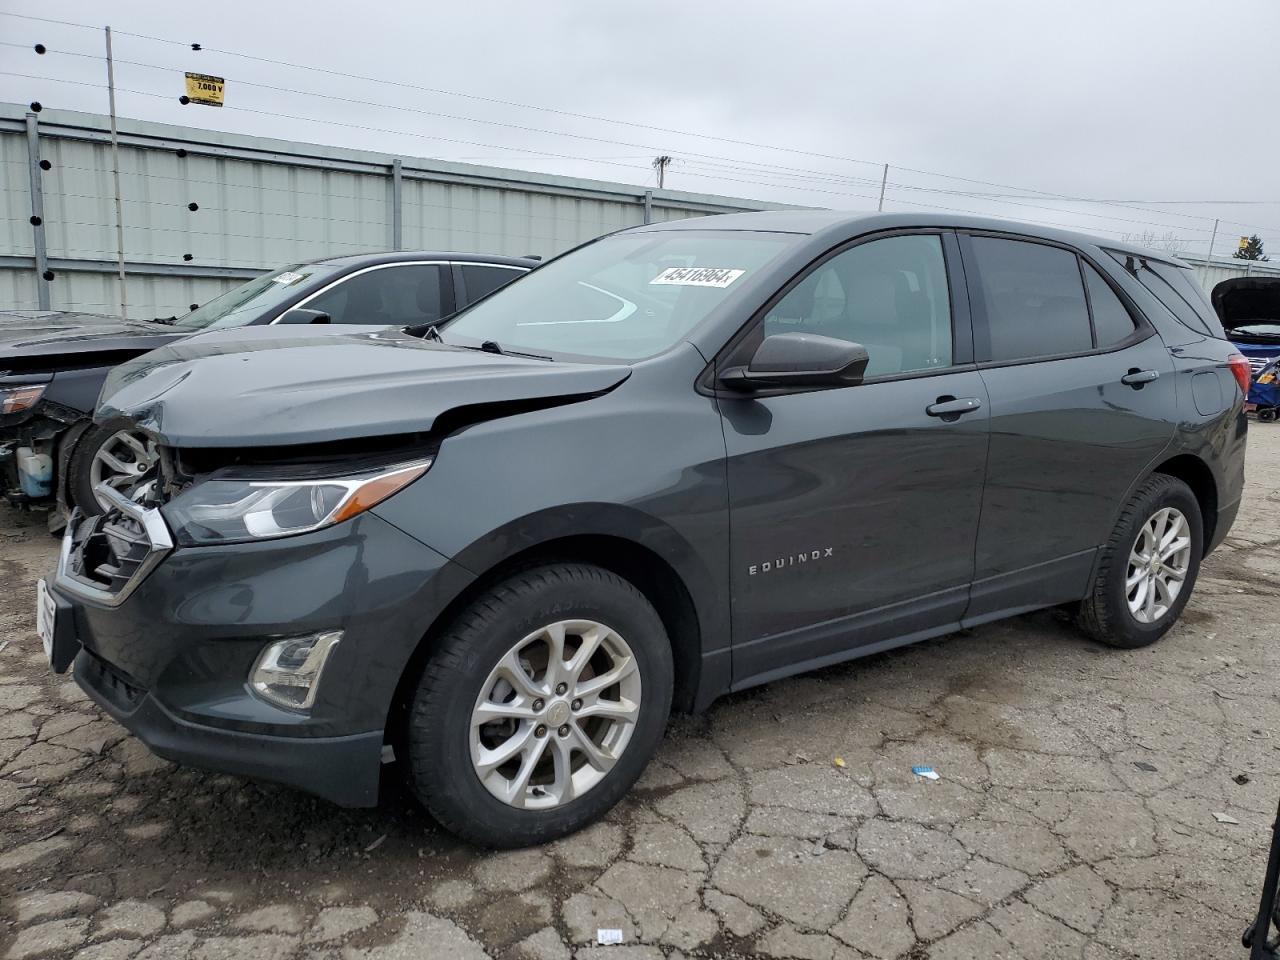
(677, 461)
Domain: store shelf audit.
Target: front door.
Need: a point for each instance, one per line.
(854, 511)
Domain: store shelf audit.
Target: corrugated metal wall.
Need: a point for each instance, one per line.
(262, 203)
(1211, 274)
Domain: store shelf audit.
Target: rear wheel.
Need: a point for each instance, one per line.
(115, 453)
(1148, 568)
(541, 707)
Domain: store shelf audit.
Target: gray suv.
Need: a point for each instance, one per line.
(680, 460)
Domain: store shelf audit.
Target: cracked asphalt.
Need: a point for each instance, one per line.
(1092, 804)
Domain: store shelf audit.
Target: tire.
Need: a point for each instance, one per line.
(1106, 614)
(80, 468)
(447, 750)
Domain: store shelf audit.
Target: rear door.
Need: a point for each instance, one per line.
(1082, 401)
(854, 510)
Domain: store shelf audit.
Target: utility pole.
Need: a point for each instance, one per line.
(660, 164)
(115, 173)
(884, 179)
(1208, 261)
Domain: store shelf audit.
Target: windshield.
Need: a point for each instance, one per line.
(245, 303)
(625, 297)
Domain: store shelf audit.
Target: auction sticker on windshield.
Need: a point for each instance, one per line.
(698, 276)
(288, 278)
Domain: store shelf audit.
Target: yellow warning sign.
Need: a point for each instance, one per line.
(202, 88)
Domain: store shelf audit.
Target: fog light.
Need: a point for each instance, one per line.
(287, 672)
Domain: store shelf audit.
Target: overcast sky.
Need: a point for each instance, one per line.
(1163, 100)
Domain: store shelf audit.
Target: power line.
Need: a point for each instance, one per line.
(661, 164)
(592, 117)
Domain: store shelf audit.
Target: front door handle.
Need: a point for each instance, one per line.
(1138, 378)
(949, 408)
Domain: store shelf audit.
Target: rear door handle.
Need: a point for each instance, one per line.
(1136, 378)
(949, 408)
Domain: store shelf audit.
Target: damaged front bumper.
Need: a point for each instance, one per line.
(165, 638)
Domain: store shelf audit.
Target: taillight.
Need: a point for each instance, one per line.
(1240, 370)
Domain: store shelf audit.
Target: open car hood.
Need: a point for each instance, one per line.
(1242, 299)
(273, 386)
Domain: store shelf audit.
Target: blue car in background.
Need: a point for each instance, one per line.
(1250, 312)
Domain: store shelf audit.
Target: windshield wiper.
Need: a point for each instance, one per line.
(490, 346)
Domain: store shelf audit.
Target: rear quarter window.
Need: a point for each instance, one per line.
(1177, 289)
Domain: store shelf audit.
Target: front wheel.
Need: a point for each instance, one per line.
(541, 707)
(1148, 568)
(115, 453)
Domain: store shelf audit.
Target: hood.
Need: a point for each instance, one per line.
(47, 333)
(272, 386)
(1242, 299)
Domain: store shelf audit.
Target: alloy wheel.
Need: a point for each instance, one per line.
(555, 714)
(121, 461)
(1158, 565)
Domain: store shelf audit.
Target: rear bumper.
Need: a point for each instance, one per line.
(1226, 517)
(343, 770)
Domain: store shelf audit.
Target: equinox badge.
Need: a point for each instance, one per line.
(773, 566)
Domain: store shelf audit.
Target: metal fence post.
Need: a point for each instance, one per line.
(397, 192)
(648, 206)
(37, 212)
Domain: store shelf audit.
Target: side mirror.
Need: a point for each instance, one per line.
(303, 315)
(800, 360)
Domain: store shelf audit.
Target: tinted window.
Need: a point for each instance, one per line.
(1111, 321)
(1034, 301)
(1176, 288)
(888, 295)
(399, 295)
(481, 281)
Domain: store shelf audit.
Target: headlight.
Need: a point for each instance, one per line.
(226, 510)
(17, 399)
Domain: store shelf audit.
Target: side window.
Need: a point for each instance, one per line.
(1176, 288)
(1034, 300)
(480, 281)
(889, 295)
(388, 296)
(1111, 321)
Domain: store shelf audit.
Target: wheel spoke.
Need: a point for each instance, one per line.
(115, 463)
(520, 782)
(1140, 595)
(591, 640)
(1176, 546)
(1150, 606)
(622, 668)
(513, 671)
(562, 759)
(136, 444)
(624, 711)
(1138, 571)
(1173, 530)
(519, 741)
(601, 759)
(489, 711)
(554, 637)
